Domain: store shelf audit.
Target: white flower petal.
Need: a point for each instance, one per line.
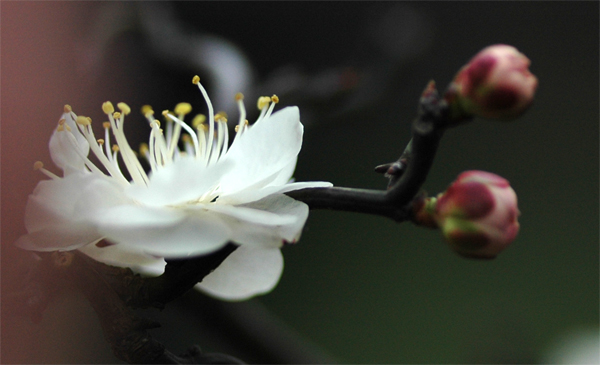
(62, 150)
(266, 235)
(138, 217)
(251, 215)
(186, 179)
(126, 256)
(247, 272)
(53, 201)
(164, 232)
(250, 195)
(66, 236)
(263, 150)
(285, 175)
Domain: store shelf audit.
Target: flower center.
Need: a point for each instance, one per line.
(206, 141)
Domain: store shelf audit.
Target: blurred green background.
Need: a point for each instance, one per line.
(365, 289)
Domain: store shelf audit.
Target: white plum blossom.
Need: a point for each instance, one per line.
(199, 194)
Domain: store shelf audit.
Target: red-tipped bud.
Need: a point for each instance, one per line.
(477, 214)
(496, 83)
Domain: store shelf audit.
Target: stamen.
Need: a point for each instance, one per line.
(136, 171)
(187, 128)
(198, 120)
(83, 120)
(272, 106)
(183, 109)
(106, 126)
(263, 102)
(225, 139)
(147, 110)
(221, 124)
(243, 126)
(202, 130)
(124, 108)
(239, 97)
(211, 122)
(95, 145)
(67, 108)
(144, 149)
(108, 108)
(160, 144)
(169, 137)
(152, 153)
(187, 142)
(75, 145)
(38, 165)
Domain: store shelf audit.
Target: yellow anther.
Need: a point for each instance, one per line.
(67, 108)
(204, 127)
(144, 148)
(67, 128)
(239, 96)
(124, 108)
(263, 101)
(100, 141)
(165, 113)
(183, 108)
(155, 122)
(275, 99)
(117, 115)
(237, 127)
(60, 128)
(147, 110)
(198, 119)
(221, 117)
(38, 165)
(106, 125)
(186, 138)
(62, 121)
(108, 108)
(115, 148)
(196, 80)
(83, 120)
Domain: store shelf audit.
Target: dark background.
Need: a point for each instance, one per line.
(363, 289)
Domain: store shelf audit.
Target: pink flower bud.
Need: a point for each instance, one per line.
(496, 83)
(477, 214)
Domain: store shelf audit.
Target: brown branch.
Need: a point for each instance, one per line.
(406, 175)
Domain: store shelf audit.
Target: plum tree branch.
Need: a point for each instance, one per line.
(406, 175)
